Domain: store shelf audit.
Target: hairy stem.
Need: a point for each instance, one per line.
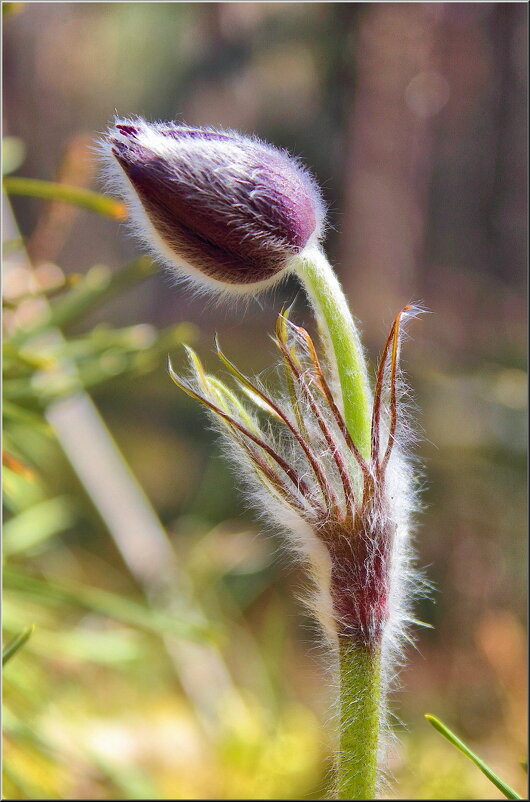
(359, 666)
(360, 691)
(342, 338)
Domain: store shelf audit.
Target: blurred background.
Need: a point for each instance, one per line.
(170, 656)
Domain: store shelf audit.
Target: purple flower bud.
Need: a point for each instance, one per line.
(225, 208)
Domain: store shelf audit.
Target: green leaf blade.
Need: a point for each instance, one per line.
(75, 196)
(503, 787)
(15, 644)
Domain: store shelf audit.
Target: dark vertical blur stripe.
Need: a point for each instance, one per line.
(507, 185)
(387, 160)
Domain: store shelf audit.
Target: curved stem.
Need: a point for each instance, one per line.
(360, 693)
(359, 665)
(342, 338)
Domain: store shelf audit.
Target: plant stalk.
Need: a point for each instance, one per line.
(359, 666)
(342, 340)
(360, 697)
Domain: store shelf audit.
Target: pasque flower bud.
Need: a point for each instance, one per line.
(325, 457)
(224, 208)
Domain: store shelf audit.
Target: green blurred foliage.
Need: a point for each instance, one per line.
(99, 702)
(94, 703)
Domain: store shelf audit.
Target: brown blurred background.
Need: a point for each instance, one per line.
(413, 118)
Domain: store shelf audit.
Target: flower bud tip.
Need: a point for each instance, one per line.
(226, 210)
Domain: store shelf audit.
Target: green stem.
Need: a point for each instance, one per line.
(340, 333)
(360, 693)
(360, 667)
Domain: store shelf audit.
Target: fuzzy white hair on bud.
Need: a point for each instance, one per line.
(305, 475)
(224, 212)
(326, 460)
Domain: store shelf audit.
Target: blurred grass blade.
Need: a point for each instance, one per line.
(98, 285)
(19, 414)
(76, 196)
(13, 150)
(38, 523)
(15, 644)
(508, 792)
(108, 604)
